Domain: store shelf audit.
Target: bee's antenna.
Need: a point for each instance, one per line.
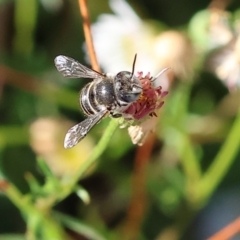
(161, 72)
(133, 67)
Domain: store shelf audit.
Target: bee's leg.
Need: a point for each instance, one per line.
(115, 114)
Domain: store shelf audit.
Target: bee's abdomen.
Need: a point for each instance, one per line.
(88, 100)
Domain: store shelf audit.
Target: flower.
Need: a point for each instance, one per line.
(118, 37)
(174, 49)
(225, 64)
(224, 60)
(142, 114)
(149, 101)
(139, 133)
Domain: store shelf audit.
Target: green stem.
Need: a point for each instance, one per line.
(37, 220)
(79, 227)
(16, 197)
(40, 219)
(221, 163)
(191, 168)
(96, 153)
(189, 160)
(99, 149)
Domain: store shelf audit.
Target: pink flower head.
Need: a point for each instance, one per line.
(150, 99)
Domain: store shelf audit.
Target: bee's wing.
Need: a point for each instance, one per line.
(73, 69)
(76, 133)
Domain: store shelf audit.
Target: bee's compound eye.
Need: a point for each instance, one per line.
(127, 86)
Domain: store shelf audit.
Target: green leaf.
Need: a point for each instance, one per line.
(79, 227)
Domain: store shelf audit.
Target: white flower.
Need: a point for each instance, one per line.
(228, 69)
(139, 133)
(117, 38)
(224, 61)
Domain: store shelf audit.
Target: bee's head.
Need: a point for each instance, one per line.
(128, 87)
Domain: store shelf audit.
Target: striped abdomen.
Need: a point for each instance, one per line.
(97, 96)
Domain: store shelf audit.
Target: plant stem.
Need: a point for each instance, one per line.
(79, 227)
(138, 204)
(87, 32)
(228, 232)
(221, 163)
(97, 151)
(189, 160)
(191, 168)
(37, 220)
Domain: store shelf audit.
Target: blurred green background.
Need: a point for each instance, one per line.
(37, 106)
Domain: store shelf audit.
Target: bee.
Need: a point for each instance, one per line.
(106, 94)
